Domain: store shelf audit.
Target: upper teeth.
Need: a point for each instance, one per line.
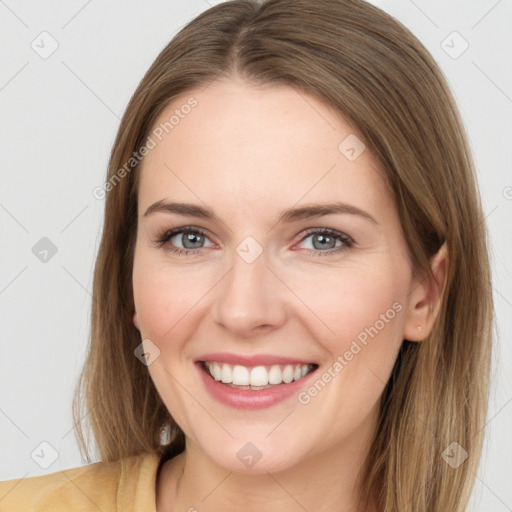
(257, 375)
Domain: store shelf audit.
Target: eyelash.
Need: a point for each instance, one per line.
(348, 242)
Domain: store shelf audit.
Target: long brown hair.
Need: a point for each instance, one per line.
(381, 79)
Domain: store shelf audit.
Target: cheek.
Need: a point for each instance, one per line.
(361, 330)
(358, 322)
(344, 304)
(164, 296)
(164, 299)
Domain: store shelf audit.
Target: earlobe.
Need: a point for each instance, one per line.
(136, 320)
(426, 298)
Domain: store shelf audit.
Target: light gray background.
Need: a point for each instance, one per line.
(59, 116)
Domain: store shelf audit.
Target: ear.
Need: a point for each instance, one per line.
(136, 320)
(426, 297)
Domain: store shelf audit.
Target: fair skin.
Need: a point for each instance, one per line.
(248, 152)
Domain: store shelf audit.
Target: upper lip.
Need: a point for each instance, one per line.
(250, 360)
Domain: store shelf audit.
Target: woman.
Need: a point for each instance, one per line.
(293, 280)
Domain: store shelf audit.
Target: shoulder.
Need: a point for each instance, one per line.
(99, 486)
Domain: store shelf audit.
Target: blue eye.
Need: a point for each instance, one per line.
(324, 241)
(189, 237)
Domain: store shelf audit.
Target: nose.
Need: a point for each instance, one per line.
(250, 299)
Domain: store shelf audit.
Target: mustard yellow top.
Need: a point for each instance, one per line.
(127, 485)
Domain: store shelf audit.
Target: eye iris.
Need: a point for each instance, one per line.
(194, 238)
(323, 238)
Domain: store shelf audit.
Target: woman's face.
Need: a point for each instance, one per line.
(251, 287)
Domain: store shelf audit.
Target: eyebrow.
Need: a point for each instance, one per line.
(286, 216)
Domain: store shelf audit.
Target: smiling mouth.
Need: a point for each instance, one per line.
(256, 378)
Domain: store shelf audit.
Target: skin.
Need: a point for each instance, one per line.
(248, 152)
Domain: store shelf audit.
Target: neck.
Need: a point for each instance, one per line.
(323, 482)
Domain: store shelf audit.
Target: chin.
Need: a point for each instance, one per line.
(253, 455)
(266, 464)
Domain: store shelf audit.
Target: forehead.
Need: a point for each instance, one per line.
(246, 147)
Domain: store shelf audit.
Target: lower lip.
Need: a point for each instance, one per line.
(251, 400)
